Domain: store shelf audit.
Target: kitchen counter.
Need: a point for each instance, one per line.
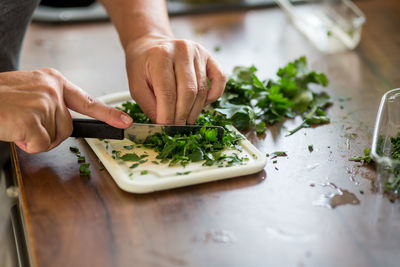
(277, 217)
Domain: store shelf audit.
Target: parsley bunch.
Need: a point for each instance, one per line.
(249, 102)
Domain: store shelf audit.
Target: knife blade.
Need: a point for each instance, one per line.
(138, 132)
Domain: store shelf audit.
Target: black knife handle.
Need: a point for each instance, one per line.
(95, 129)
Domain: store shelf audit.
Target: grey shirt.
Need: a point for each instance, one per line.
(15, 16)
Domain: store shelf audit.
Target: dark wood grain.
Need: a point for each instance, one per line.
(266, 219)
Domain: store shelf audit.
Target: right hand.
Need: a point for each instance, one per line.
(34, 109)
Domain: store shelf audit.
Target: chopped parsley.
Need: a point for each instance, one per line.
(278, 154)
(74, 149)
(248, 100)
(144, 172)
(134, 165)
(84, 169)
(130, 157)
(363, 159)
(182, 173)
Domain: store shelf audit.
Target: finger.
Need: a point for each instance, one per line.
(186, 89)
(78, 100)
(217, 80)
(44, 111)
(164, 86)
(144, 96)
(38, 139)
(63, 125)
(48, 120)
(202, 86)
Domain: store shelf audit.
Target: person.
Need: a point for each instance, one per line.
(168, 78)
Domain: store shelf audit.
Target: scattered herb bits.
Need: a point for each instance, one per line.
(144, 172)
(182, 173)
(84, 169)
(311, 148)
(277, 154)
(363, 159)
(130, 157)
(74, 149)
(134, 165)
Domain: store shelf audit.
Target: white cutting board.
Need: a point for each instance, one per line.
(161, 176)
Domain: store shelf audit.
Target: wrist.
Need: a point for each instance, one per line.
(137, 41)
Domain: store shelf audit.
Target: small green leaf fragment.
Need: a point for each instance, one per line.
(261, 127)
(278, 154)
(183, 173)
(134, 165)
(84, 169)
(144, 172)
(81, 159)
(311, 148)
(74, 149)
(130, 157)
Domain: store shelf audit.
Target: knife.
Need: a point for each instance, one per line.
(137, 133)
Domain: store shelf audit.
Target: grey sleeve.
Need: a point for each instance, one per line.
(15, 16)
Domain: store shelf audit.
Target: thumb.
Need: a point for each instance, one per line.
(78, 100)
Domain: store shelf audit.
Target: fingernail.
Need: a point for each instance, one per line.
(126, 118)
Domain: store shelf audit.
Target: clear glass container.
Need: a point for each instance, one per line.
(331, 25)
(387, 125)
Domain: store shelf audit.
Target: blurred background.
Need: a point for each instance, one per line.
(53, 11)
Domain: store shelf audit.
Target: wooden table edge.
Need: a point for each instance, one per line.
(23, 207)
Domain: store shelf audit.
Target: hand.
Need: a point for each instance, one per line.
(168, 78)
(34, 109)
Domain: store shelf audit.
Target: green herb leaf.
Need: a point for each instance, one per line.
(74, 149)
(278, 154)
(182, 173)
(130, 157)
(134, 165)
(311, 148)
(84, 169)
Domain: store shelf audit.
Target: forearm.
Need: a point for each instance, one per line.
(134, 19)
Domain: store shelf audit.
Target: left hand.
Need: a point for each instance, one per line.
(168, 78)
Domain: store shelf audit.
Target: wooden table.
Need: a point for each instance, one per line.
(266, 219)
